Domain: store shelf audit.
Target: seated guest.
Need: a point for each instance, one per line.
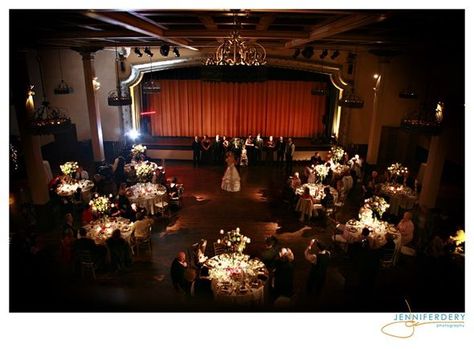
(328, 200)
(406, 228)
(328, 179)
(141, 227)
(307, 195)
(270, 252)
(178, 269)
(80, 173)
(172, 188)
(295, 181)
(119, 251)
(123, 203)
(370, 188)
(316, 159)
(310, 174)
(201, 287)
(88, 245)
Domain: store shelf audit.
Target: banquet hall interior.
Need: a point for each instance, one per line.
(236, 160)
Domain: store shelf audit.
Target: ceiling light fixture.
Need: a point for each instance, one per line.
(307, 52)
(335, 54)
(116, 97)
(164, 50)
(236, 51)
(63, 88)
(151, 85)
(47, 119)
(324, 54)
(297, 53)
(349, 98)
(176, 52)
(148, 51)
(138, 52)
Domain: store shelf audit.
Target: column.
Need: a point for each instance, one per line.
(92, 104)
(433, 171)
(37, 180)
(376, 119)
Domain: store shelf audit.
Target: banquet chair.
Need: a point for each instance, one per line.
(162, 206)
(140, 240)
(86, 263)
(305, 206)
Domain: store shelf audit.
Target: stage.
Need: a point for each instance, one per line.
(179, 148)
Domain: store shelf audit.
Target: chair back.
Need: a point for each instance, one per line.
(220, 249)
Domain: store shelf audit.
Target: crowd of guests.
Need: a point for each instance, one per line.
(248, 152)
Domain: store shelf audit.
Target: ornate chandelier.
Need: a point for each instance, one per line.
(426, 120)
(236, 51)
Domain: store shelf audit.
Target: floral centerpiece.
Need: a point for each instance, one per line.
(69, 168)
(100, 205)
(137, 150)
(397, 170)
(321, 171)
(145, 171)
(337, 153)
(234, 240)
(377, 204)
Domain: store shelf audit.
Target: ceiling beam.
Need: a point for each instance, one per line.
(136, 24)
(333, 27)
(265, 21)
(253, 34)
(208, 22)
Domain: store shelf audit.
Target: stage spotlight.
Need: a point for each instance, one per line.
(148, 51)
(335, 54)
(133, 134)
(324, 53)
(176, 52)
(308, 52)
(137, 52)
(297, 53)
(164, 50)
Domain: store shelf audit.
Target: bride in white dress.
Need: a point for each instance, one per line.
(231, 179)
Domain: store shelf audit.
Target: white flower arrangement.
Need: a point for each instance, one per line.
(137, 150)
(337, 153)
(100, 205)
(321, 171)
(69, 168)
(144, 171)
(397, 169)
(377, 204)
(234, 240)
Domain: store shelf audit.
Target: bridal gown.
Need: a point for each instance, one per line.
(231, 179)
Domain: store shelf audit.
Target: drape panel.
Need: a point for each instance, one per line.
(278, 108)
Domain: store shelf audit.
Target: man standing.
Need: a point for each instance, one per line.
(269, 148)
(196, 151)
(178, 270)
(319, 259)
(289, 152)
(280, 148)
(258, 149)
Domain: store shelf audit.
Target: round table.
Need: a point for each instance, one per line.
(378, 230)
(68, 189)
(317, 191)
(237, 279)
(400, 196)
(101, 229)
(146, 195)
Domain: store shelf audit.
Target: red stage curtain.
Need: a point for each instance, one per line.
(278, 108)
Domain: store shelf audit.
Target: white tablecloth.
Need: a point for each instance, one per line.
(68, 189)
(317, 191)
(237, 279)
(378, 230)
(399, 197)
(100, 230)
(146, 195)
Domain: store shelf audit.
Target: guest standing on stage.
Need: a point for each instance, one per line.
(196, 151)
(269, 148)
(258, 149)
(216, 150)
(250, 147)
(289, 152)
(205, 150)
(280, 148)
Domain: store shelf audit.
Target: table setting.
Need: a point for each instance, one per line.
(146, 195)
